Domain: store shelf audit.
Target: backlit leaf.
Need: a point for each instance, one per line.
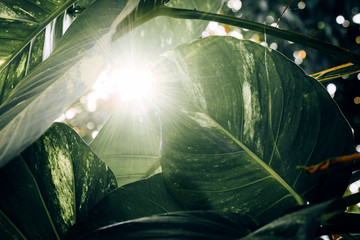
(129, 143)
(22, 37)
(237, 119)
(131, 147)
(53, 85)
(80, 56)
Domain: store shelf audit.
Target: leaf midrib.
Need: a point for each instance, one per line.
(296, 196)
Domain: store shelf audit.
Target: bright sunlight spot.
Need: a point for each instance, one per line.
(132, 83)
(129, 84)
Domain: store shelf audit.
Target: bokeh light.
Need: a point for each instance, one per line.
(301, 5)
(357, 100)
(340, 19)
(235, 5)
(356, 18)
(331, 88)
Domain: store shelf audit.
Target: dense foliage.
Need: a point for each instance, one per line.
(237, 142)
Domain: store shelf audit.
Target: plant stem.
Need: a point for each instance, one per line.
(323, 46)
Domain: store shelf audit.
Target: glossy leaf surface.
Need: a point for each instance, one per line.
(21, 21)
(29, 32)
(135, 200)
(300, 225)
(51, 186)
(237, 119)
(180, 225)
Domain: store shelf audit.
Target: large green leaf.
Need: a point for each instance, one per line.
(179, 225)
(303, 224)
(21, 21)
(237, 120)
(135, 200)
(80, 56)
(55, 83)
(22, 37)
(51, 186)
(300, 225)
(129, 143)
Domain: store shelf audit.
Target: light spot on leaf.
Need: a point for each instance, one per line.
(62, 176)
(251, 110)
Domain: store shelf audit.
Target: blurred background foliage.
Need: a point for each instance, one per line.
(337, 22)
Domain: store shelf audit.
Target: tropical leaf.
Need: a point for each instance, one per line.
(301, 225)
(336, 72)
(237, 118)
(74, 65)
(55, 83)
(21, 21)
(129, 143)
(135, 200)
(51, 186)
(180, 225)
(24, 25)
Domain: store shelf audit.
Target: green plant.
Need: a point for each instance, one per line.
(215, 156)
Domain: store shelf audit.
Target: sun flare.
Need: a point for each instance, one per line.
(130, 84)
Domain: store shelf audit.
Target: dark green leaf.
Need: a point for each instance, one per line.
(52, 185)
(301, 225)
(129, 143)
(237, 119)
(21, 24)
(135, 200)
(22, 205)
(21, 21)
(180, 225)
